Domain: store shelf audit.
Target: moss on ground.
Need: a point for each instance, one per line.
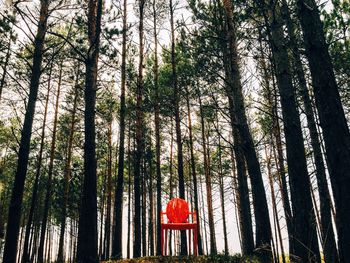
(188, 259)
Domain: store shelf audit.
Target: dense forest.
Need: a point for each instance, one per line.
(111, 108)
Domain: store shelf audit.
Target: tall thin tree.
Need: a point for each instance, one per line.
(14, 216)
(87, 234)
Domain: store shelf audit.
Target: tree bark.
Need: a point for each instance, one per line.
(194, 175)
(332, 118)
(157, 128)
(327, 233)
(87, 234)
(33, 204)
(213, 248)
(180, 163)
(234, 90)
(305, 242)
(67, 172)
(139, 138)
(118, 203)
(14, 216)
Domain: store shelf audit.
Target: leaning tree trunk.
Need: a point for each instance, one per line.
(139, 139)
(118, 203)
(33, 203)
(87, 234)
(332, 118)
(271, 96)
(242, 190)
(305, 243)
(234, 90)
(14, 216)
(327, 233)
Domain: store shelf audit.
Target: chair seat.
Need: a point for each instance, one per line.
(179, 226)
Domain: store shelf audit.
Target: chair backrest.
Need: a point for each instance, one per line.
(177, 210)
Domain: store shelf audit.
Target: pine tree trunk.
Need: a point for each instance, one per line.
(129, 192)
(213, 248)
(144, 208)
(271, 96)
(107, 238)
(87, 234)
(50, 173)
(150, 197)
(14, 216)
(222, 189)
(67, 172)
(194, 175)
(157, 128)
(118, 203)
(139, 139)
(180, 163)
(25, 255)
(234, 91)
(305, 242)
(274, 206)
(332, 119)
(327, 233)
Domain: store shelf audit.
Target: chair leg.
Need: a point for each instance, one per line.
(166, 242)
(195, 245)
(189, 242)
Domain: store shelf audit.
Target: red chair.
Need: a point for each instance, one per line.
(177, 212)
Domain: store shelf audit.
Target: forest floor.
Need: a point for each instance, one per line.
(189, 259)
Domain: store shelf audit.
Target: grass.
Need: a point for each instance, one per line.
(187, 259)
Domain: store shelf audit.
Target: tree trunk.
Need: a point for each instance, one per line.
(118, 203)
(157, 128)
(194, 176)
(327, 233)
(234, 90)
(213, 248)
(87, 234)
(50, 173)
(129, 192)
(139, 138)
(180, 164)
(143, 206)
(271, 96)
(305, 242)
(150, 197)
(222, 189)
(274, 207)
(33, 204)
(332, 118)
(14, 216)
(67, 171)
(107, 231)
